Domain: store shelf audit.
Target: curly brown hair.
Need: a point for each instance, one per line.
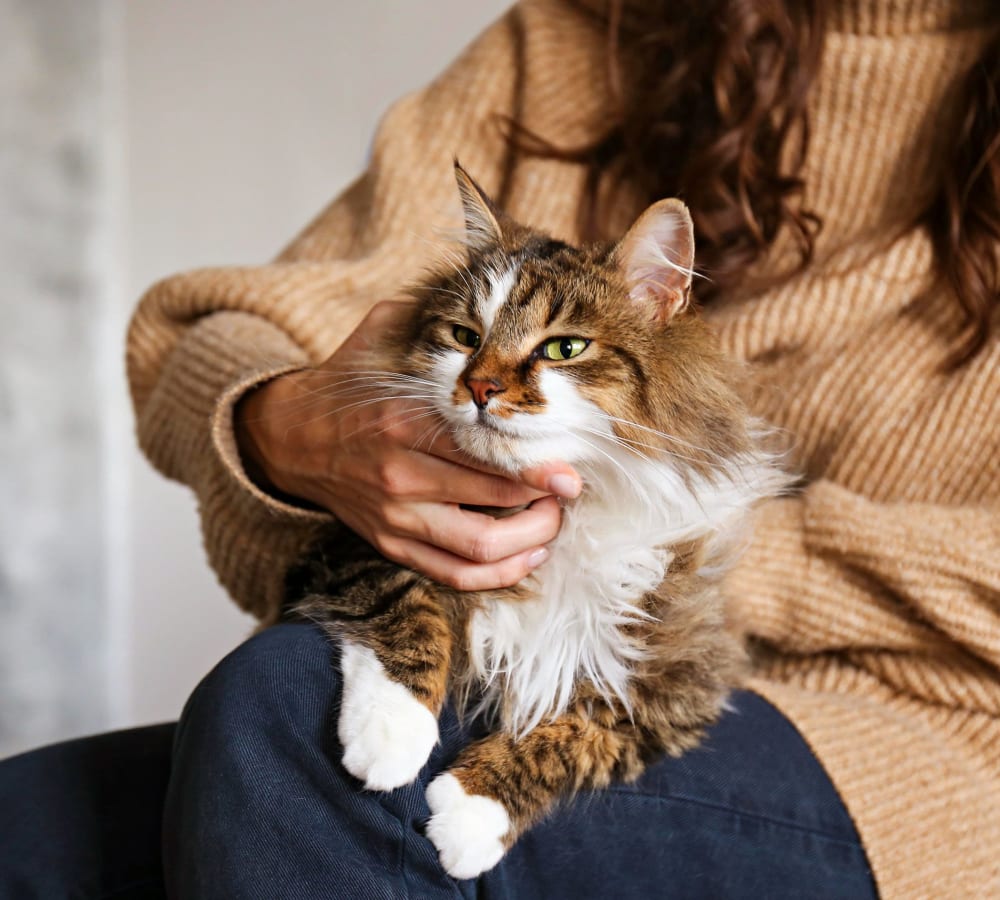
(964, 217)
(711, 102)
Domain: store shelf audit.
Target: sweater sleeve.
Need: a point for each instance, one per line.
(198, 341)
(887, 585)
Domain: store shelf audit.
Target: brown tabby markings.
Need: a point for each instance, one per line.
(652, 362)
(673, 380)
(679, 690)
(414, 626)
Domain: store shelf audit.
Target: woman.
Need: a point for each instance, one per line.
(841, 161)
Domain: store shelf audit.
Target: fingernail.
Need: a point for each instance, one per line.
(537, 558)
(564, 485)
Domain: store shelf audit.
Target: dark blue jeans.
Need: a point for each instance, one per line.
(258, 806)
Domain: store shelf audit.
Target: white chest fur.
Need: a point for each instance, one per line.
(613, 549)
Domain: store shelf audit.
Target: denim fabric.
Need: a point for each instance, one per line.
(259, 807)
(82, 819)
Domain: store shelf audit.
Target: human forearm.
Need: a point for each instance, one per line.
(829, 570)
(379, 235)
(184, 426)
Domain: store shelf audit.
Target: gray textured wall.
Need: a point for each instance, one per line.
(53, 253)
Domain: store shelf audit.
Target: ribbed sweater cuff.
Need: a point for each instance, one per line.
(186, 429)
(798, 594)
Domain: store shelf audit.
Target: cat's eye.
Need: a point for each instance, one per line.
(564, 347)
(466, 336)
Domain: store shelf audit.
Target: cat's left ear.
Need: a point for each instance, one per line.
(656, 257)
(482, 218)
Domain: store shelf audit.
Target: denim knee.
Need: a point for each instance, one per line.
(82, 818)
(268, 683)
(259, 804)
(252, 733)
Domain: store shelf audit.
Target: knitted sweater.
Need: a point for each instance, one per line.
(877, 589)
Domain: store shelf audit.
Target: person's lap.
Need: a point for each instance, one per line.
(82, 819)
(259, 806)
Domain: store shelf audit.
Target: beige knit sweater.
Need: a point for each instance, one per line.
(878, 589)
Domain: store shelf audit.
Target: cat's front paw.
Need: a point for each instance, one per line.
(467, 830)
(387, 734)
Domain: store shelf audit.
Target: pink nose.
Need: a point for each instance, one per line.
(482, 390)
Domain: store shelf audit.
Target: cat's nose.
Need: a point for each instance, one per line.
(482, 389)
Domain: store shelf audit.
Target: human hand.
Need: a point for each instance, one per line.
(389, 470)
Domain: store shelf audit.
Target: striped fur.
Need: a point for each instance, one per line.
(616, 649)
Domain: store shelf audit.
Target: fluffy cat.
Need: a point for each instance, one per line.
(615, 650)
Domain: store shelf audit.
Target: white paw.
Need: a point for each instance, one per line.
(467, 829)
(387, 734)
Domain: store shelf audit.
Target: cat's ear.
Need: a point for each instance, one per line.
(482, 218)
(656, 257)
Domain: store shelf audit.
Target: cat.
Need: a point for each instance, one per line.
(614, 651)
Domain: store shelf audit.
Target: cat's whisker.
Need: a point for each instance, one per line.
(388, 373)
(661, 434)
(393, 377)
(427, 413)
(369, 401)
(731, 469)
(393, 394)
(433, 436)
(618, 440)
(447, 250)
(421, 412)
(445, 242)
(356, 405)
(358, 383)
(329, 375)
(374, 392)
(390, 391)
(630, 445)
(349, 376)
(463, 272)
(628, 476)
(315, 398)
(457, 294)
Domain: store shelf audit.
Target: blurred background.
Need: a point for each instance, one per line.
(138, 139)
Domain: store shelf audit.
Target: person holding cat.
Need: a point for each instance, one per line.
(841, 161)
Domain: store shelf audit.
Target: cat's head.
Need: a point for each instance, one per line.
(539, 350)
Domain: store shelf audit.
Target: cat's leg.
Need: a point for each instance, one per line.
(395, 678)
(395, 653)
(500, 786)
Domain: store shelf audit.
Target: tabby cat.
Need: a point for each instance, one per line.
(615, 650)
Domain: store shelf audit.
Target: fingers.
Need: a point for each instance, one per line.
(461, 548)
(459, 573)
(556, 478)
(480, 538)
(390, 470)
(420, 478)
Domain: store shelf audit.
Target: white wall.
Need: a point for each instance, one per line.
(56, 221)
(241, 118)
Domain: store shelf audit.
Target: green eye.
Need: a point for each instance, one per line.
(465, 336)
(564, 347)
